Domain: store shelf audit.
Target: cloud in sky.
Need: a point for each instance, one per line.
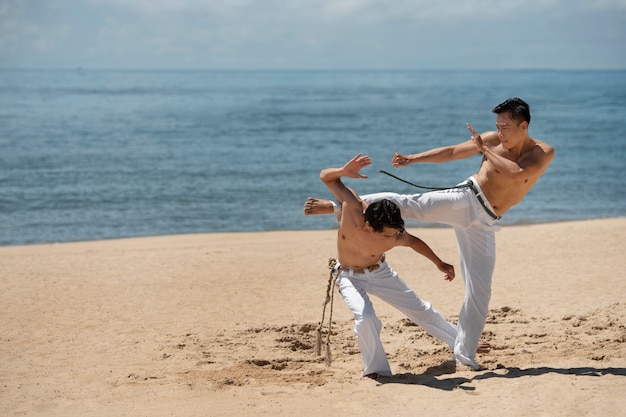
(313, 34)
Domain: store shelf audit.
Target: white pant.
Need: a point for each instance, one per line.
(475, 234)
(389, 287)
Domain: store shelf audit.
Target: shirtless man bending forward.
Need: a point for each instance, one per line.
(362, 240)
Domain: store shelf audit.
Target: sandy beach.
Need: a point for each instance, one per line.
(225, 325)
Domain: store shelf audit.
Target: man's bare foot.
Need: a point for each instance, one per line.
(483, 346)
(314, 206)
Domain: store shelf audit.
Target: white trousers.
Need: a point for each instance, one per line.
(384, 283)
(475, 234)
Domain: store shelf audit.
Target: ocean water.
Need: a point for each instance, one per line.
(91, 154)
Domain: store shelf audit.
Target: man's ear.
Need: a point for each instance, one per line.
(524, 125)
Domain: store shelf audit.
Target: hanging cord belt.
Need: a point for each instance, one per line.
(425, 187)
(330, 296)
(469, 184)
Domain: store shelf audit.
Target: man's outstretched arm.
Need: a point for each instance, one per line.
(421, 247)
(443, 154)
(331, 177)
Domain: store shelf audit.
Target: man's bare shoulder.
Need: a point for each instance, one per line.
(352, 212)
(548, 149)
(540, 152)
(355, 204)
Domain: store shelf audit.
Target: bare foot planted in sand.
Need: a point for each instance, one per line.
(483, 346)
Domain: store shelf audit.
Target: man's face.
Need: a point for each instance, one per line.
(510, 131)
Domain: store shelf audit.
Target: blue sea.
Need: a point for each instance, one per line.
(89, 154)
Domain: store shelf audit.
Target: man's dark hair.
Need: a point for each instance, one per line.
(518, 108)
(384, 213)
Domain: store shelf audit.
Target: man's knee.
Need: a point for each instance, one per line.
(367, 320)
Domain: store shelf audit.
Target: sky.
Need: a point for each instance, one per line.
(313, 34)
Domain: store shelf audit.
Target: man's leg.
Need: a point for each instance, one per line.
(367, 327)
(394, 291)
(477, 257)
(446, 207)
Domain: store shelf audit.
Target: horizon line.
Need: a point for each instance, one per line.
(81, 68)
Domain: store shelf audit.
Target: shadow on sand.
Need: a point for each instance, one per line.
(432, 376)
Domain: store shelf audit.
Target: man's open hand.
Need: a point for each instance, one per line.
(352, 167)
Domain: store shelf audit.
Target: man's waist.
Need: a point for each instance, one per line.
(370, 268)
(473, 185)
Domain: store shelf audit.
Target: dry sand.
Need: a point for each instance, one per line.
(224, 325)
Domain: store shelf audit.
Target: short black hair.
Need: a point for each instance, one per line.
(517, 108)
(384, 213)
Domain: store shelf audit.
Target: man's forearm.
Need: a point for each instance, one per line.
(445, 153)
(331, 174)
(423, 249)
(434, 155)
(502, 164)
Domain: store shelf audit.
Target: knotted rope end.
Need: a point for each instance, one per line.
(332, 263)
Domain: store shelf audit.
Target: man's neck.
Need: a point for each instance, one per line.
(524, 146)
